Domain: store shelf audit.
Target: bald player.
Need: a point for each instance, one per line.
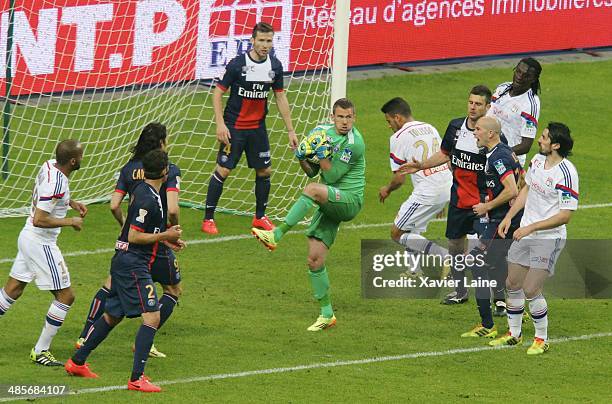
(39, 259)
(498, 187)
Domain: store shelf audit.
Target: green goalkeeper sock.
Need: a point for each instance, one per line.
(319, 280)
(280, 230)
(298, 211)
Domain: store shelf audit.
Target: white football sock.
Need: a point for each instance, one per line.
(416, 242)
(539, 313)
(515, 307)
(54, 320)
(5, 302)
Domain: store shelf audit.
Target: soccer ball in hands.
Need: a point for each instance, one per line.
(316, 140)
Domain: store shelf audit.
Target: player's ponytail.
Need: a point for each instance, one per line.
(151, 138)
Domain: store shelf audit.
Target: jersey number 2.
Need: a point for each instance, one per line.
(151, 290)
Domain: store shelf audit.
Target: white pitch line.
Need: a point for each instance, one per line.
(322, 365)
(595, 205)
(208, 240)
(247, 236)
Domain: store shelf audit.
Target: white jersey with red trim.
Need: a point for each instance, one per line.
(51, 194)
(518, 115)
(420, 140)
(550, 190)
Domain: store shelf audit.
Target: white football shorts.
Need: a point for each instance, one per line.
(41, 262)
(536, 253)
(414, 217)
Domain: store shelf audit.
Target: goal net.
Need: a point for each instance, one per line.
(99, 72)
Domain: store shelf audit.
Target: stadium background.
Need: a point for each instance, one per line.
(247, 314)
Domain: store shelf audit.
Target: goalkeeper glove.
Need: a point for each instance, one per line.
(300, 152)
(323, 151)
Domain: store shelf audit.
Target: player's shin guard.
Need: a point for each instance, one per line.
(96, 309)
(144, 341)
(515, 309)
(5, 302)
(539, 313)
(215, 189)
(54, 320)
(298, 211)
(319, 280)
(97, 333)
(262, 191)
(166, 307)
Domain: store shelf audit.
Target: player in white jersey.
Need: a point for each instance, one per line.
(549, 197)
(414, 140)
(517, 106)
(39, 259)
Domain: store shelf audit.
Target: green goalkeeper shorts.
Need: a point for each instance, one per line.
(341, 206)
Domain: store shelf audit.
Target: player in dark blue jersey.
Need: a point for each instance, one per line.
(242, 127)
(459, 149)
(501, 176)
(165, 268)
(133, 292)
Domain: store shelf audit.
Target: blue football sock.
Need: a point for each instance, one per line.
(166, 306)
(96, 309)
(262, 191)
(215, 189)
(144, 341)
(484, 308)
(99, 331)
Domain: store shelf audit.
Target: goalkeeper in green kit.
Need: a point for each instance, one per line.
(340, 160)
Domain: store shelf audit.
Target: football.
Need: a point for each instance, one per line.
(309, 144)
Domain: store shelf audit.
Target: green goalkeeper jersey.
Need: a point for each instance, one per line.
(348, 161)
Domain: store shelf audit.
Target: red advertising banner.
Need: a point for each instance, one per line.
(402, 30)
(65, 45)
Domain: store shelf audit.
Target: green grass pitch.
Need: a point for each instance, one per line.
(245, 309)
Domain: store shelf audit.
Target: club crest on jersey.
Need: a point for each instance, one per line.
(500, 167)
(515, 108)
(271, 74)
(549, 182)
(141, 215)
(346, 155)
